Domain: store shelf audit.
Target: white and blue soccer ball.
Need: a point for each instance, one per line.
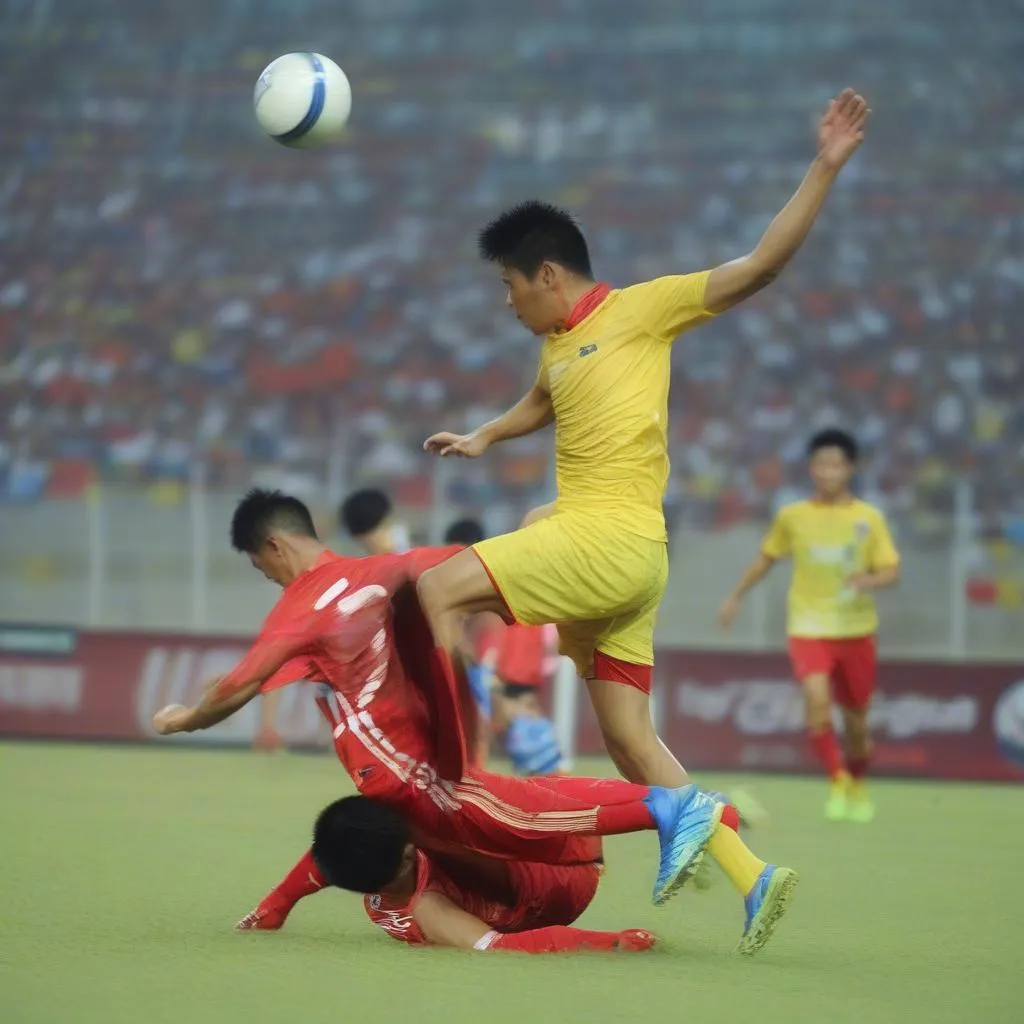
(303, 100)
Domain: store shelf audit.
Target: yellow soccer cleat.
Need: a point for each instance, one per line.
(859, 806)
(838, 802)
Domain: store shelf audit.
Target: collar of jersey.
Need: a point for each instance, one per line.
(586, 305)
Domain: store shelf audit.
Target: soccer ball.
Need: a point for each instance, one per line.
(302, 100)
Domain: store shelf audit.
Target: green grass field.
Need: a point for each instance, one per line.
(124, 869)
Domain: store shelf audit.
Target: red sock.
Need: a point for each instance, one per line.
(593, 791)
(857, 766)
(303, 880)
(826, 750)
(731, 818)
(618, 819)
(561, 939)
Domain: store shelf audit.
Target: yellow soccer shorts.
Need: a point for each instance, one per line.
(599, 583)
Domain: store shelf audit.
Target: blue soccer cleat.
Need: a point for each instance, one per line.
(765, 904)
(686, 819)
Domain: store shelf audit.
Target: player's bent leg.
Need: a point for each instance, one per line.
(860, 807)
(458, 586)
(515, 819)
(818, 716)
(624, 716)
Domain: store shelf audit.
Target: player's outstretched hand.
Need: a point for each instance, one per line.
(466, 446)
(171, 719)
(841, 130)
(728, 612)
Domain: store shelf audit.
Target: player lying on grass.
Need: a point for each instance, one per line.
(842, 553)
(355, 625)
(598, 566)
(466, 901)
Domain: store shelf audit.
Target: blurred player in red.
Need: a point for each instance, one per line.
(368, 517)
(465, 901)
(507, 667)
(355, 625)
(842, 552)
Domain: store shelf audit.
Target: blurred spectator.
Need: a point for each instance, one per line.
(177, 291)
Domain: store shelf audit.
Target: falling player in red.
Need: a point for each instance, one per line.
(355, 625)
(468, 901)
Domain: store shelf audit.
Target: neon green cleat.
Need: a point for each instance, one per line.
(859, 806)
(765, 904)
(837, 804)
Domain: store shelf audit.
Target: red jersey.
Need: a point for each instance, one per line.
(528, 655)
(354, 626)
(518, 898)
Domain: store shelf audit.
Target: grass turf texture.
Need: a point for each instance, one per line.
(124, 869)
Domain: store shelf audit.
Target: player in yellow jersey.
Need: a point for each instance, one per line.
(842, 551)
(598, 566)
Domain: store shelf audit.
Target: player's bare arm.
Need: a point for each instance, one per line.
(756, 571)
(443, 923)
(217, 705)
(531, 413)
(840, 132)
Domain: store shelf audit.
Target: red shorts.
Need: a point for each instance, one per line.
(551, 894)
(849, 663)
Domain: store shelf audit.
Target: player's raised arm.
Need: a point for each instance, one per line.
(840, 132)
(531, 413)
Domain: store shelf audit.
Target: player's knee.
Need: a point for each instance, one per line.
(817, 704)
(856, 728)
(434, 593)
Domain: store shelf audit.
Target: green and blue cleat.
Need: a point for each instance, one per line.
(686, 819)
(765, 904)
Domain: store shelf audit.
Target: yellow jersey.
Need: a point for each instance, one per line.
(828, 543)
(608, 378)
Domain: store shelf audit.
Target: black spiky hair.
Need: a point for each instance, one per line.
(261, 513)
(532, 233)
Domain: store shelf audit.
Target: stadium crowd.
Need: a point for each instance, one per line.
(176, 291)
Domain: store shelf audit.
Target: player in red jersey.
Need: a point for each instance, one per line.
(355, 625)
(466, 901)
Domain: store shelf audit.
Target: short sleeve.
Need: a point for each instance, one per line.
(667, 306)
(882, 553)
(777, 542)
(295, 670)
(543, 380)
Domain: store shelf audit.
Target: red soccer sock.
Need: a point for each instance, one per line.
(618, 819)
(303, 880)
(561, 939)
(620, 805)
(826, 750)
(857, 767)
(593, 791)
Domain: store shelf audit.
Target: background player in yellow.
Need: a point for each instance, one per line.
(841, 551)
(598, 566)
